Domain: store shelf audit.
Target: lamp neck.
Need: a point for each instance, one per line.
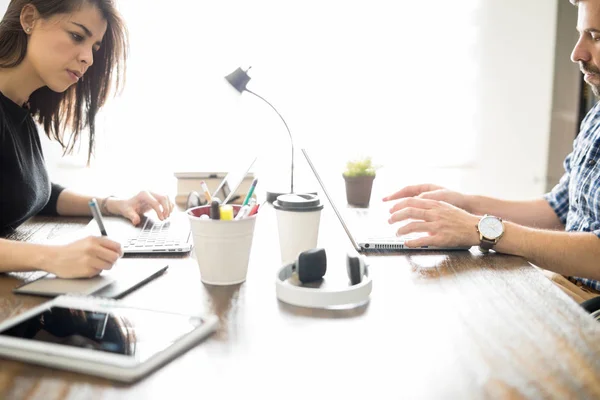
(289, 133)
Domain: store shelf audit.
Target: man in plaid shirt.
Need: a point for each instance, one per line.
(559, 231)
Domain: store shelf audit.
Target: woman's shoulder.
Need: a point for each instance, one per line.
(3, 123)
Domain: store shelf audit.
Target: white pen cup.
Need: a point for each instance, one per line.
(298, 220)
(222, 247)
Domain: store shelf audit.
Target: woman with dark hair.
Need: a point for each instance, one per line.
(59, 62)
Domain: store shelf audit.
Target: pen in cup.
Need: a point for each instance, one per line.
(254, 210)
(215, 210)
(93, 203)
(250, 191)
(245, 210)
(226, 212)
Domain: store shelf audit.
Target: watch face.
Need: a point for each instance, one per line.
(491, 227)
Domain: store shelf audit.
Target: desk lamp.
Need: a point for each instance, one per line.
(239, 79)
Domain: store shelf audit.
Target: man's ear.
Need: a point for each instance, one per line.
(29, 16)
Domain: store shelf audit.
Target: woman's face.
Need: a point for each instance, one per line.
(61, 48)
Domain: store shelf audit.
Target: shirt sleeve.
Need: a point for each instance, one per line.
(558, 197)
(50, 207)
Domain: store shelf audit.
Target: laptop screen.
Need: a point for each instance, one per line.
(330, 199)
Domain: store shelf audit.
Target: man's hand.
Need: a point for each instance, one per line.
(135, 207)
(447, 225)
(431, 192)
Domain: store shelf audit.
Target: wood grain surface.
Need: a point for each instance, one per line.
(439, 325)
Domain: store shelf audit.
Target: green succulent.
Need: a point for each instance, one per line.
(360, 167)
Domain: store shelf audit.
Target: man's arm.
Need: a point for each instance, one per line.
(534, 213)
(567, 253)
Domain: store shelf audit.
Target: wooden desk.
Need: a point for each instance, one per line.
(456, 325)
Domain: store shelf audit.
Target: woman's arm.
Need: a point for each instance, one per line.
(82, 258)
(21, 256)
(70, 203)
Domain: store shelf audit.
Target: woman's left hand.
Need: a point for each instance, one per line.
(135, 207)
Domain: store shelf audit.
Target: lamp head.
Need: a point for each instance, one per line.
(238, 79)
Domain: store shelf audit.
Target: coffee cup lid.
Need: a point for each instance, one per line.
(298, 202)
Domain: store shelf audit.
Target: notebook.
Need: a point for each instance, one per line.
(368, 229)
(116, 283)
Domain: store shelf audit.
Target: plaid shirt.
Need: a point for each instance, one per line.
(576, 198)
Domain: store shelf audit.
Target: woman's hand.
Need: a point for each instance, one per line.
(431, 192)
(447, 225)
(83, 258)
(135, 207)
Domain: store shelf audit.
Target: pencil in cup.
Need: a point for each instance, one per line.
(222, 247)
(206, 192)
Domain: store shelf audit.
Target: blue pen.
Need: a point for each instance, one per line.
(247, 199)
(97, 215)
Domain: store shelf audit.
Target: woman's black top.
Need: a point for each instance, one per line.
(25, 188)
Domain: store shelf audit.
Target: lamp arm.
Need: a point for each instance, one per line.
(289, 133)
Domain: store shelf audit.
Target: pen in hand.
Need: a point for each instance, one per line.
(97, 215)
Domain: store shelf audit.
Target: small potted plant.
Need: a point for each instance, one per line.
(359, 176)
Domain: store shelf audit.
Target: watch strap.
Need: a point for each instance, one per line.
(486, 245)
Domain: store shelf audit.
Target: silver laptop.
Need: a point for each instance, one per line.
(172, 235)
(368, 229)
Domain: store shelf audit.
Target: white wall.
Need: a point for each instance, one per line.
(515, 84)
(565, 99)
(480, 72)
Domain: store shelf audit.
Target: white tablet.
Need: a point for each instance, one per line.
(101, 337)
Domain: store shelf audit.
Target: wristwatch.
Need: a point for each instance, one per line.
(490, 230)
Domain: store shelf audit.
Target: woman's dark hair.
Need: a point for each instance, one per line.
(74, 109)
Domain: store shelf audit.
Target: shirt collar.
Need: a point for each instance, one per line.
(17, 112)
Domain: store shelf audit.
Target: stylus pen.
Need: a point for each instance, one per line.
(97, 215)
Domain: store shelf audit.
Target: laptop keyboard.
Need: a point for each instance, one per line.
(155, 234)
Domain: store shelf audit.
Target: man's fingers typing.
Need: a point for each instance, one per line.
(414, 227)
(410, 213)
(411, 191)
(413, 202)
(439, 194)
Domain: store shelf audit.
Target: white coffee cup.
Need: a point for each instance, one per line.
(222, 248)
(298, 219)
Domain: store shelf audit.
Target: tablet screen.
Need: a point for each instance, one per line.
(131, 332)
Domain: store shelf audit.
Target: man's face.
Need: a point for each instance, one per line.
(587, 50)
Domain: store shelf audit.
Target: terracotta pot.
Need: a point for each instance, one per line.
(358, 190)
